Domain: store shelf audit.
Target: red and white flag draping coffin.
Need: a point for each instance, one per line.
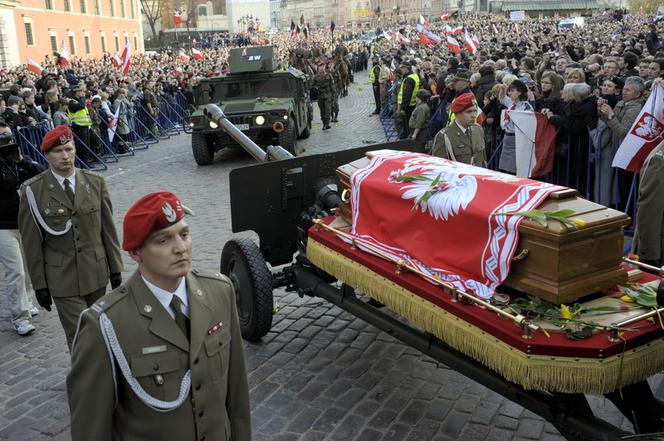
(457, 234)
(646, 134)
(535, 142)
(196, 53)
(33, 66)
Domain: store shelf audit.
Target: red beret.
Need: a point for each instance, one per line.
(462, 102)
(58, 136)
(150, 213)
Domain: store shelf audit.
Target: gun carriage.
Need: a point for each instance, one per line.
(300, 209)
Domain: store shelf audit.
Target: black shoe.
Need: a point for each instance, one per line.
(376, 112)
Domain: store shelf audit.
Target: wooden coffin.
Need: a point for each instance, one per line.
(556, 263)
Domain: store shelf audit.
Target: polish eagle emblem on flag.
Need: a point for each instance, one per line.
(648, 127)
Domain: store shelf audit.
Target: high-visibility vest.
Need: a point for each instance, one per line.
(415, 78)
(80, 118)
(372, 75)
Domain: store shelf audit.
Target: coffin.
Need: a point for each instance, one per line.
(555, 263)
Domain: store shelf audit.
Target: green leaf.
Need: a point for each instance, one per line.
(560, 213)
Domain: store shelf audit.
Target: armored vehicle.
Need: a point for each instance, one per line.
(271, 107)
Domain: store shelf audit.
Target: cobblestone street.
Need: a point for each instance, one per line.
(320, 374)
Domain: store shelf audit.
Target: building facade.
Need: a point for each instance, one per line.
(35, 28)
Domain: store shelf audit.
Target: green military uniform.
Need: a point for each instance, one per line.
(649, 234)
(419, 119)
(325, 85)
(70, 249)
(198, 384)
(336, 92)
(455, 144)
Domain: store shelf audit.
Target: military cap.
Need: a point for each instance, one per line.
(152, 212)
(423, 94)
(462, 75)
(58, 136)
(462, 102)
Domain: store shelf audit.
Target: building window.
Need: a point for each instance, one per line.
(54, 43)
(122, 9)
(131, 6)
(112, 7)
(67, 5)
(29, 37)
(72, 45)
(49, 4)
(135, 43)
(87, 44)
(84, 7)
(202, 11)
(103, 43)
(97, 8)
(117, 44)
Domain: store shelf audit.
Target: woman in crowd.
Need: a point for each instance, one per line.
(516, 99)
(60, 117)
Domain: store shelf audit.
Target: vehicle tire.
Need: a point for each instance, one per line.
(287, 138)
(203, 153)
(243, 263)
(307, 130)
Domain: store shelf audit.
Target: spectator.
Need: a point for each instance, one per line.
(419, 119)
(516, 99)
(550, 88)
(486, 82)
(60, 117)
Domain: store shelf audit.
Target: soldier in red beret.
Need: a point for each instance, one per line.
(66, 221)
(162, 354)
(463, 139)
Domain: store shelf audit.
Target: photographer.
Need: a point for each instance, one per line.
(14, 170)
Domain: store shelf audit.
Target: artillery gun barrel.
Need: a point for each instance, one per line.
(215, 114)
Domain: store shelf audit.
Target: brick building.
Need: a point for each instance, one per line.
(35, 28)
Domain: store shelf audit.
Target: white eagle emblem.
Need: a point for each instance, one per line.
(169, 213)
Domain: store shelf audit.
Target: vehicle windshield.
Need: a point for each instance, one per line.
(273, 87)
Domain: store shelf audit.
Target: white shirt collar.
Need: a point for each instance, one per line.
(165, 297)
(460, 127)
(61, 180)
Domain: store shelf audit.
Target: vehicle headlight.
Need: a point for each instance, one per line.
(285, 117)
(213, 125)
(260, 120)
(191, 124)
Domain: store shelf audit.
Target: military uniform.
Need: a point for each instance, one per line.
(649, 235)
(336, 92)
(70, 248)
(455, 144)
(325, 85)
(419, 119)
(199, 384)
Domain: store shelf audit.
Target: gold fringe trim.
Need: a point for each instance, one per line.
(555, 374)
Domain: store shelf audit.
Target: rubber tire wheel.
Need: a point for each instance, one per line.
(243, 263)
(203, 154)
(287, 138)
(306, 132)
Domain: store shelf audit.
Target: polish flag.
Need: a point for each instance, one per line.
(448, 29)
(177, 70)
(113, 125)
(470, 44)
(387, 36)
(430, 35)
(424, 39)
(445, 17)
(126, 58)
(423, 22)
(196, 53)
(177, 18)
(401, 39)
(117, 62)
(516, 28)
(457, 30)
(495, 29)
(34, 67)
(476, 41)
(535, 141)
(646, 134)
(184, 57)
(64, 54)
(453, 44)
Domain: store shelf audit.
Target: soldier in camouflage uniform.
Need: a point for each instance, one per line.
(325, 85)
(336, 91)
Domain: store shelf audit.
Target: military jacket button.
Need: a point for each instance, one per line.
(155, 367)
(159, 379)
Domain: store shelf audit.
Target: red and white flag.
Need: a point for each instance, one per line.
(401, 39)
(646, 134)
(476, 41)
(495, 29)
(470, 44)
(64, 54)
(516, 28)
(184, 57)
(445, 17)
(177, 70)
(117, 62)
(448, 29)
(641, 13)
(535, 141)
(453, 44)
(34, 67)
(387, 35)
(428, 34)
(126, 58)
(177, 18)
(457, 30)
(113, 125)
(423, 21)
(196, 53)
(424, 39)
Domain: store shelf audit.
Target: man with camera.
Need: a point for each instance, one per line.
(14, 170)
(66, 220)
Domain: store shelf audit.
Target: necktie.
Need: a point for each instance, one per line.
(68, 190)
(180, 319)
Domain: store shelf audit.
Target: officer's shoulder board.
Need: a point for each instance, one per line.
(208, 274)
(33, 179)
(92, 173)
(109, 299)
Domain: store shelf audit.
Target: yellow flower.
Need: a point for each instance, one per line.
(579, 222)
(627, 299)
(565, 312)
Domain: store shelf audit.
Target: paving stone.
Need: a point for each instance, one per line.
(531, 429)
(303, 421)
(329, 419)
(348, 428)
(368, 435)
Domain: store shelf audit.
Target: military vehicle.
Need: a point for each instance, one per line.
(271, 107)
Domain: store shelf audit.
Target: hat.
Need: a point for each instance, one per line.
(462, 75)
(462, 102)
(152, 212)
(423, 94)
(96, 98)
(58, 136)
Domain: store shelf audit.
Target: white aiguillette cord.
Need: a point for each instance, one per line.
(114, 348)
(36, 215)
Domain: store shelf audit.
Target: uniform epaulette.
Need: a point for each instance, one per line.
(211, 275)
(32, 180)
(92, 173)
(109, 299)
